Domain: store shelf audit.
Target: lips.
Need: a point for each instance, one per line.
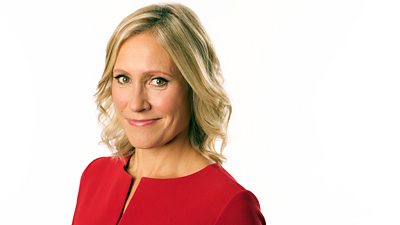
(144, 122)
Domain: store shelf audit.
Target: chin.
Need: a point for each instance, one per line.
(145, 144)
(147, 140)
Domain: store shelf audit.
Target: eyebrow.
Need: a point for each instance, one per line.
(119, 71)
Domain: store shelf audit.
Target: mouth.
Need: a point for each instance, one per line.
(140, 123)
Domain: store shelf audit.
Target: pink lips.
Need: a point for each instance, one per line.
(142, 122)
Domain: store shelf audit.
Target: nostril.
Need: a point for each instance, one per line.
(139, 105)
(138, 99)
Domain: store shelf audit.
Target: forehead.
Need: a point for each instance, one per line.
(143, 52)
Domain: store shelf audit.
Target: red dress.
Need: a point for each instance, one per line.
(209, 196)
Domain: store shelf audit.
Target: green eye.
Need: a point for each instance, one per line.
(122, 79)
(158, 82)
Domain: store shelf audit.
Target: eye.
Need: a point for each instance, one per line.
(159, 82)
(122, 79)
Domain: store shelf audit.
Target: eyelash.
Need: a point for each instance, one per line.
(119, 80)
(123, 79)
(163, 81)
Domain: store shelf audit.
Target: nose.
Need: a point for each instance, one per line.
(139, 99)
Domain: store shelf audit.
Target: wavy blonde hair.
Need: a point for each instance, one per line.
(179, 31)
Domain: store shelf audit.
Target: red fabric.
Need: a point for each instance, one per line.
(210, 196)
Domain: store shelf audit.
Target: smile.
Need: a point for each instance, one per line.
(146, 122)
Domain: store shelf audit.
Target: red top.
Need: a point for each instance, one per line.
(209, 196)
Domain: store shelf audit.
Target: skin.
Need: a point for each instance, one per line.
(153, 107)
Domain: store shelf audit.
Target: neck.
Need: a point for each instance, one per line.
(175, 159)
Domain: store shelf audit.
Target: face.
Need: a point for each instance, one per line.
(151, 99)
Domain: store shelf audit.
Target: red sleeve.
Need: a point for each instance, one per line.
(243, 209)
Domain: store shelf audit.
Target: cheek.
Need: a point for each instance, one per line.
(119, 98)
(174, 103)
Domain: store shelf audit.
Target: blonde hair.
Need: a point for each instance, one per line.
(179, 31)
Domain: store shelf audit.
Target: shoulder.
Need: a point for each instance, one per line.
(101, 164)
(100, 185)
(239, 206)
(242, 209)
(103, 167)
(224, 181)
(105, 161)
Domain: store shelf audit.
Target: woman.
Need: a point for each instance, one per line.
(163, 109)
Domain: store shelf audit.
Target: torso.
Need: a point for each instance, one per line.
(108, 196)
(131, 192)
(197, 163)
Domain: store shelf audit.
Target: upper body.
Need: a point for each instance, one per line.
(208, 196)
(163, 106)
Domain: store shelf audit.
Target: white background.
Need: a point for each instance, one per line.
(315, 86)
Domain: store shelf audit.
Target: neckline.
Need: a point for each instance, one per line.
(189, 176)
